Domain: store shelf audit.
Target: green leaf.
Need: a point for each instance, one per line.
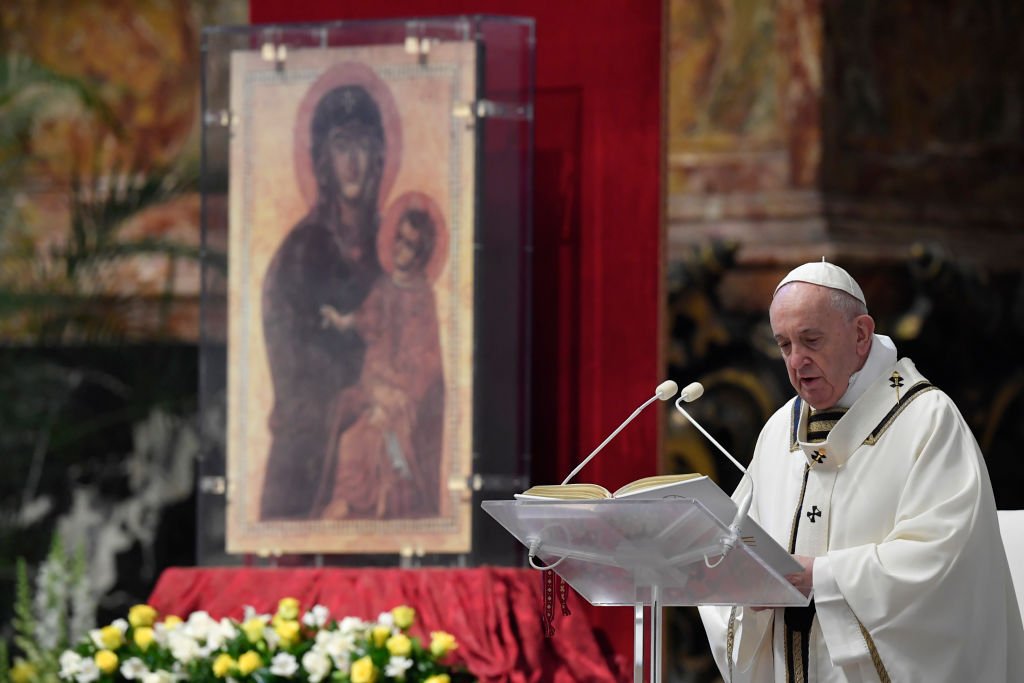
(5, 664)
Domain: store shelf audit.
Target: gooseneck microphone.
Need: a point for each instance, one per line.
(691, 393)
(664, 392)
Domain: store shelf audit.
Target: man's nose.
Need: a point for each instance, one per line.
(797, 359)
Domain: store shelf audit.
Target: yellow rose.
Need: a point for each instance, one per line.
(441, 643)
(106, 661)
(111, 637)
(379, 635)
(363, 671)
(143, 637)
(22, 672)
(172, 622)
(253, 629)
(399, 645)
(288, 631)
(141, 615)
(249, 662)
(403, 616)
(288, 609)
(438, 678)
(223, 665)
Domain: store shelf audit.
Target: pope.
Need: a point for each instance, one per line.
(872, 479)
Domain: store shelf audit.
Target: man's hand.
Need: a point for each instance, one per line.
(804, 580)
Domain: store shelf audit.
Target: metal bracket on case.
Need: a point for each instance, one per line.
(490, 109)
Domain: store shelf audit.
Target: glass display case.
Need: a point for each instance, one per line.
(365, 352)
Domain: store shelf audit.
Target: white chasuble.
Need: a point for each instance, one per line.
(910, 577)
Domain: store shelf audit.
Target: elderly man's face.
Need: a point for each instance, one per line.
(820, 346)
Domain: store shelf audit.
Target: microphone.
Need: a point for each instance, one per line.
(664, 392)
(691, 393)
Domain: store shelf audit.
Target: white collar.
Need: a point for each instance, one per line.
(881, 357)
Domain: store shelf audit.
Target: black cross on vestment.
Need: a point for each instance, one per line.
(813, 513)
(895, 381)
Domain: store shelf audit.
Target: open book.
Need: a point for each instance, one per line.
(654, 486)
(696, 486)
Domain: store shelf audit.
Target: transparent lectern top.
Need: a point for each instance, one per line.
(615, 552)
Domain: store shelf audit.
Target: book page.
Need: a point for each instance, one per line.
(653, 482)
(566, 492)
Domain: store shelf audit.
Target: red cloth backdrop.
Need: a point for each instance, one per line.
(494, 614)
(597, 227)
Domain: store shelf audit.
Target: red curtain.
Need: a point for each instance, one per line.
(597, 226)
(494, 614)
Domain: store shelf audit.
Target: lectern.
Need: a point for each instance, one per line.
(657, 553)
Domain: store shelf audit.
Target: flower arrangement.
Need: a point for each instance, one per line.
(59, 612)
(287, 646)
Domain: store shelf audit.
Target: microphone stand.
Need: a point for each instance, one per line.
(692, 393)
(664, 392)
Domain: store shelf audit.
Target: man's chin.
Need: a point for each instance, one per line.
(818, 400)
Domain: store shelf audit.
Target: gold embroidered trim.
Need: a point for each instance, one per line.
(876, 659)
(796, 656)
(794, 424)
(912, 393)
(799, 508)
(876, 433)
(730, 639)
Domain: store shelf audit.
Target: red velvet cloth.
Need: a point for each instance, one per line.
(495, 614)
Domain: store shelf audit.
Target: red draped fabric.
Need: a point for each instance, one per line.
(495, 614)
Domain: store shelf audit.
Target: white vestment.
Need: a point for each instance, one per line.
(911, 581)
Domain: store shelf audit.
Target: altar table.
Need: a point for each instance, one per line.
(494, 613)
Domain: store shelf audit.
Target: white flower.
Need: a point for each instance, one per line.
(159, 677)
(219, 633)
(386, 619)
(397, 667)
(342, 661)
(351, 625)
(317, 616)
(227, 629)
(70, 663)
(283, 664)
(97, 639)
(160, 633)
(316, 664)
(87, 671)
(270, 635)
(183, 647)
(335, 643)
(47, 629)
(121, 625)
(199, 625)
(134, 668)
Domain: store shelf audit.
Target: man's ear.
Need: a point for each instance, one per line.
(865, 326)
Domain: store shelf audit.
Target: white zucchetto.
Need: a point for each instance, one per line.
(826, 275)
